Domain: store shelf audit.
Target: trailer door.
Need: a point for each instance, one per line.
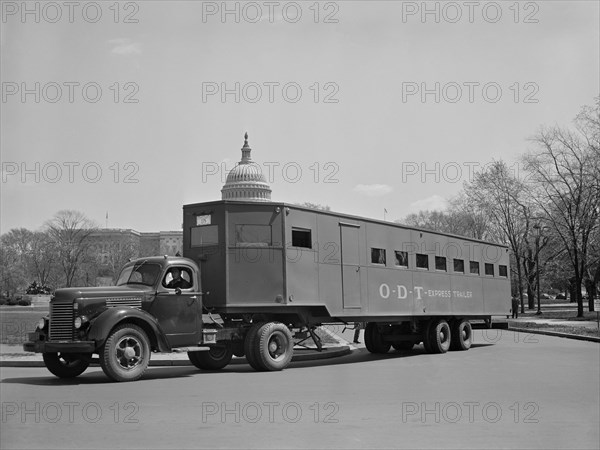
(350, 265)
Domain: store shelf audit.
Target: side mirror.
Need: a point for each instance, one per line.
(177, 291)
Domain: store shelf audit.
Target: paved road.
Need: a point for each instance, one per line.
(510, 390)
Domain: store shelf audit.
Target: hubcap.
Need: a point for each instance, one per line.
(277, 344)
(128, 352)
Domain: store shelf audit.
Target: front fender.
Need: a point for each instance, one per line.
(107, 320)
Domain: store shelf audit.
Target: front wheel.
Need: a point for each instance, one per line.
(126, 353)
(214, 359)
(66, 365)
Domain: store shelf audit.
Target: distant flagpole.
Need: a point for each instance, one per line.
(384, 213)
(106, 225)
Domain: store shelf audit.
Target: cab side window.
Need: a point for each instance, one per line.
(178, 277)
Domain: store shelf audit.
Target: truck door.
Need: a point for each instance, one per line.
(178, 308)
(350, 265)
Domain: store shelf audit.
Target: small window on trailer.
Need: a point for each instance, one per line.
(401, 258)
(301, 237)
(422, 261)
(378, 256)
(474, 267)
(459, 265)
(489, 269)
(440, 263)
(503, 271)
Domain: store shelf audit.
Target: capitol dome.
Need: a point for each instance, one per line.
(246, 180)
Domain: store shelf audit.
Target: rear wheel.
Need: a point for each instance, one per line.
(439, 336)
(126, 353)
(214, 359)
(66, 365)
(275, 346)
(374, 341)
(251, 346)
(462, 335)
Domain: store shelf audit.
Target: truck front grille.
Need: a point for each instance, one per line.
(61, 321)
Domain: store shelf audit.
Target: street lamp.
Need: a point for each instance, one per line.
(538, 232)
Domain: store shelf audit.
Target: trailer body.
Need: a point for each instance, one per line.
(273, 257)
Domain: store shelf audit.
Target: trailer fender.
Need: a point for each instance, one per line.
(105, 322)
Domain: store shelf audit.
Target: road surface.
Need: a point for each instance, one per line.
(510, 390)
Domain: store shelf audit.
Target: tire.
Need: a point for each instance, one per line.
(439, 336)
(214, 359)
(275, 346)
(426, 339)
(126, 353)
(373, 341)
(462, 335)
(237, 348)
(251, 346)
(66, 365)
(403, 346)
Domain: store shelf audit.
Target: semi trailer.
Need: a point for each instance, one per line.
(255, 276)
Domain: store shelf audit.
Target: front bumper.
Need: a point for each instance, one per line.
(38, 345)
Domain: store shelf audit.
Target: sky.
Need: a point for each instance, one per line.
(133, 109)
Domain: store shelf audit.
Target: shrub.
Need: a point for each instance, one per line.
(38, 289)
(24, 302)
(3, 301)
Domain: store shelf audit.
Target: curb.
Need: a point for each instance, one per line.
(577, 337)
(299, 355)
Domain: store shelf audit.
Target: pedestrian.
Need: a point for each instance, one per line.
(515, 308)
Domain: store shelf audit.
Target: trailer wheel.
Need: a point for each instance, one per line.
(403, 346)
(126, 353)
(462, 335)
(439, 336)
(374, 341)
(214, 359)
(275, 346)
(65, 365)
(251, 346)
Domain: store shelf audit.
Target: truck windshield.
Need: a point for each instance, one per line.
(140, 273)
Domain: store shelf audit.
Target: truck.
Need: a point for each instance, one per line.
(256, 276)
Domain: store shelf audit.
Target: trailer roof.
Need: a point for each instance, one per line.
(346, 216)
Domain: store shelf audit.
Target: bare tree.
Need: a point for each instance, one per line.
(565, 174)
(69, 232)
(502, 196)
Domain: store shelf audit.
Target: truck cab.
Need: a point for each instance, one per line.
(156, 305)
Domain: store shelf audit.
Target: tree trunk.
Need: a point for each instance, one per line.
(590, 287)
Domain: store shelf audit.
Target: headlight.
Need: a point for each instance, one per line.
(80, 321)
(41, 323)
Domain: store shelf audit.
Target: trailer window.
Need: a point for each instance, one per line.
(204, 236)
(489, 269)
(459, 265)
(301, 238)
(401, 258)
(440, 263)
(474, 266)
(253, 235)
(503, 271)
(378, 256)
(422, 261)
